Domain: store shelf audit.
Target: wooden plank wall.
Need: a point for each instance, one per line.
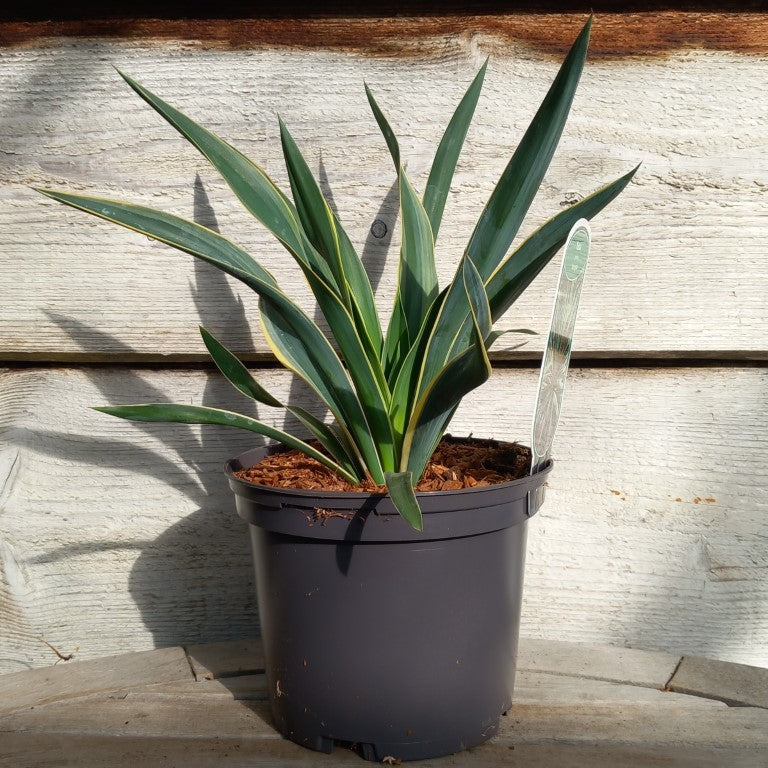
(117, 537)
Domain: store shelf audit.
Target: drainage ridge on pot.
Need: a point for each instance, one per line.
(402, 643)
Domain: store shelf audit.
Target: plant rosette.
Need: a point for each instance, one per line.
(400, 610)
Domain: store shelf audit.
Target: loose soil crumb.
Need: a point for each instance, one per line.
(457, 463)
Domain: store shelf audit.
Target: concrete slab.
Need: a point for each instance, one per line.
(735, 684)
(651, 669)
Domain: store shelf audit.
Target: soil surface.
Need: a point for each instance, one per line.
(457, 463)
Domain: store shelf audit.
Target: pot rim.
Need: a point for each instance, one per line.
(235, 464)
(361, 517)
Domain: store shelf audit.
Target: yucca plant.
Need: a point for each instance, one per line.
(391, 393)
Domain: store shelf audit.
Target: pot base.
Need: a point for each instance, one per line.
(402, 751)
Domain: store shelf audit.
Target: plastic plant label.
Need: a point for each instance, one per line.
(557, 353)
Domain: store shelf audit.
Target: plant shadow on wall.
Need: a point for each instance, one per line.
(179, 578)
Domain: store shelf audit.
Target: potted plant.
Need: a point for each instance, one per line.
(389, 615)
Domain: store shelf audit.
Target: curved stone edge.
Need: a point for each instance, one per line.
(35, 687)
(733, 684)
(738, 685)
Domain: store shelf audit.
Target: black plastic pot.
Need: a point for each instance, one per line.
(401, 643)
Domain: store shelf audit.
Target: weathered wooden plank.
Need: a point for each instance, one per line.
(36, 687)
(402, 29)
(160, 718)
(651, 669)
(678, 265)
(540, 688)
(642, 723)
(20, 750)
(536, 657)
(240, 688)
(226, 659)
(735, 684)
(646, 724)
(530, 688)
(116, 535)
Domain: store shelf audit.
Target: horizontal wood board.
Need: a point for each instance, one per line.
(117, 537)
(564, 717)
(22, 750)
(399, 30)
(678, 266)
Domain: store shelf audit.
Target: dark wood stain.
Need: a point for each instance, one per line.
(615, 35)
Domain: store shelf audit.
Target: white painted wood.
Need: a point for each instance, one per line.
(118, 536)
(678, 263)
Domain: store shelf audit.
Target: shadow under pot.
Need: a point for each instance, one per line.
(400, 643)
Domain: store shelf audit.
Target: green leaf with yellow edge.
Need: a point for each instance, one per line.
(199, 414)
(448, 151)
(463, 373)
(242, 379)
(400, 487)
(417, 275)
(521, 179)
(257, 192)
(309, 354)
(328, 237)
(507, 283)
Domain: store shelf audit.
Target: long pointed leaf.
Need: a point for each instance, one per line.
(296, 351)
(252, 186)
(366, 374)
(314, 212)
(329, 238)
(478, 300)
(516, 272)
(184, 235)
(198, 414)
(461, 375)
(235, 372)
(400, 487)
(386, 129)
(452, 328)
(404, 390)
(417, 274)
(242, 379)
(448, 151)
(311, 356)
(521, 179)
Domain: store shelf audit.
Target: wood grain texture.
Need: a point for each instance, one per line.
(36, 687)
(735, 684)
(559, 719)
(23, 750)
(116, 536)
(678, 265)
(656, 724)
(405, 30)
(640, 668)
